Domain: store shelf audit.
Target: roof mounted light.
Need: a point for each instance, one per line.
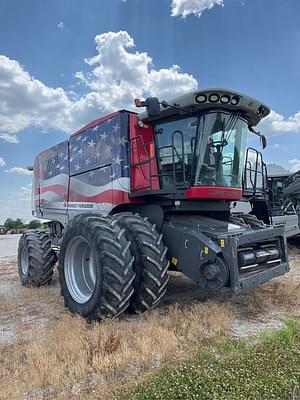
(235, 100)
(225, 99)
(214, 98)
(260, 110)
(201, 98)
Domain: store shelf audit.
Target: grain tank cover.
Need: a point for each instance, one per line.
(251, 109)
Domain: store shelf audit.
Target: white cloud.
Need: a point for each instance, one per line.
(6, 137)
(2, 162)
(18, 171)
(278, 147)
(24, 192)
(295, 164)
(184, 8)
(25, 101)
(118, 74)
(170, 82)
(276, 123)
(61, 25)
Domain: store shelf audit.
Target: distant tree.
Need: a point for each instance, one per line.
(14, 224)
(19, 224)
(34, 224)
(9, 224)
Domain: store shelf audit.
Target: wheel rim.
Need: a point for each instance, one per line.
(24, 261)
(80, 270)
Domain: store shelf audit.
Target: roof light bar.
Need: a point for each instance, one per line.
(225, 98)
(235, 100)
(214, 98)
(201, 98)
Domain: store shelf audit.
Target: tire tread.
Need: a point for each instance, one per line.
(150, 262)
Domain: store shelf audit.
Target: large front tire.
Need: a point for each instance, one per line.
(95, 267)
(150, 262)
(36, 258)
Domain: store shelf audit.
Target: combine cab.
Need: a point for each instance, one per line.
(131, 195)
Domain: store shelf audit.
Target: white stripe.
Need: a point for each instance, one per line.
(54, 204)
(51, 196)
(85, 189)
(61, 179)
(89, 190)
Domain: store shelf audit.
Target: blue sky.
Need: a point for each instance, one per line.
(55, 77)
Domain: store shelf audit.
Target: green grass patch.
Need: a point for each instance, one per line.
(264, 368)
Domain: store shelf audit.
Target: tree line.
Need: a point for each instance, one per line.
(13, 224)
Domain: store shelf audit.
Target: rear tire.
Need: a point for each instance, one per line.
(36, 259)
(95, 267)
(253, 221)
(150, 262)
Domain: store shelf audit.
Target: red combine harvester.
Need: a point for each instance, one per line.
(130, 196)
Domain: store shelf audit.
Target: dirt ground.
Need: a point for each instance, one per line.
(47, 353)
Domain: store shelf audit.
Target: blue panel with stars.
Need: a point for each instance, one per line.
(54, 161)
(104, 144)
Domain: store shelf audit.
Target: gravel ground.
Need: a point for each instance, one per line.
(8, 246)
(47, 354)
(256, 309)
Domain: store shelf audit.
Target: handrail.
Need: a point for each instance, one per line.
(143, 145)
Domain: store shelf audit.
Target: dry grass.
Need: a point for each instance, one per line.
(75, 359)
(56, 356)
(283, 292)
(7, 304)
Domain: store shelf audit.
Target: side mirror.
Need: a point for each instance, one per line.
(263, 140)
(152, 106)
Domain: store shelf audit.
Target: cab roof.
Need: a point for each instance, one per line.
(251, 109)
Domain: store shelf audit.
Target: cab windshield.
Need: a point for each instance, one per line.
(202, 150)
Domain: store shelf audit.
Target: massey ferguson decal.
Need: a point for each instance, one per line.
(53, 176)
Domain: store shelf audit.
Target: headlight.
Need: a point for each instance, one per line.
(235, 100)
(225, 99)
(214, 98)
(201, 98)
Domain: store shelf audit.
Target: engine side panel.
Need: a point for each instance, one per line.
(35, 193)
(99, 166)
(51, 180)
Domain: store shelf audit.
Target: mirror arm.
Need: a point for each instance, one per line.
(262, 137)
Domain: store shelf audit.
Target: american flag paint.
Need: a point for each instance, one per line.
(91, 170)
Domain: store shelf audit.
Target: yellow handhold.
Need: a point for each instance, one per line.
(205, 250)
(222, 243)
(174, 261)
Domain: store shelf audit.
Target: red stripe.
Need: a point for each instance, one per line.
(213, 192)
(108, 196)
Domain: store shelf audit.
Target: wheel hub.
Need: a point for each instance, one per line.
(80, 270)
(214, 275)
(24, 262)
